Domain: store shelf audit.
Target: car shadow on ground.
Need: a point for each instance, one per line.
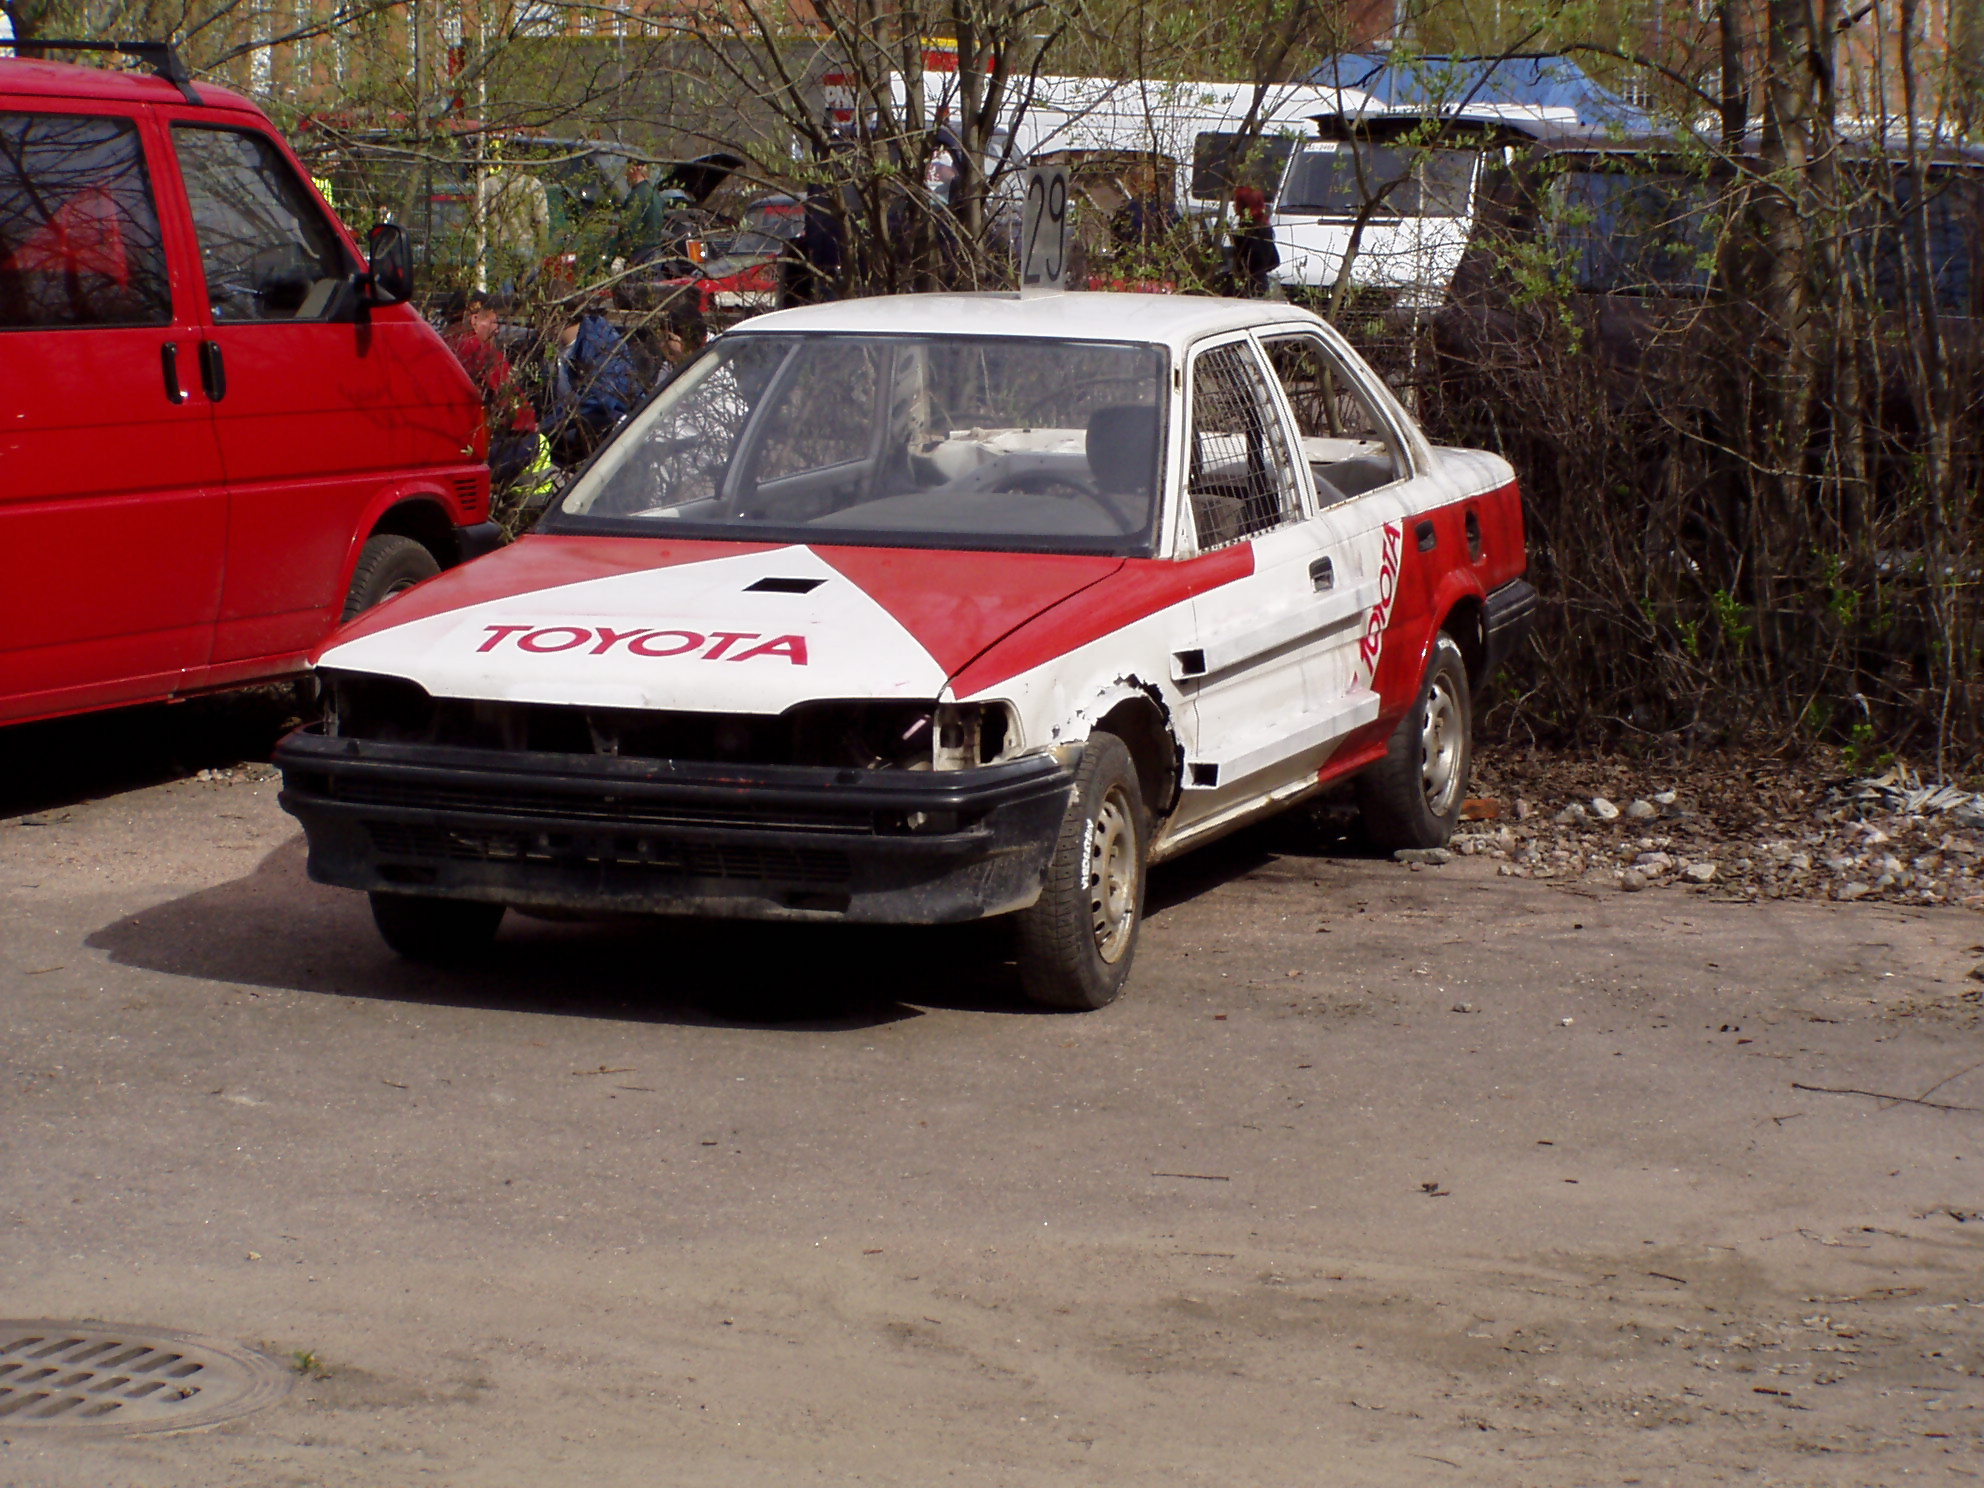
(273, 928)
(67, 760)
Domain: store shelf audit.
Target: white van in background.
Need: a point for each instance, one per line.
(1411, 176)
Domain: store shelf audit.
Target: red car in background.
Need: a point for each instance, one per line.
(739, 273)
(225, 428)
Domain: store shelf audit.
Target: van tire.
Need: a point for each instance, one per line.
(439, 932)
(1413, 796)
(387, 565)
(1076, 942)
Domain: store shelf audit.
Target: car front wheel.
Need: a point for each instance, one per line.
(437, 931)
(1077, 941)
(1413, 796)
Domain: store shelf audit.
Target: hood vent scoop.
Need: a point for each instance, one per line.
(784, 586)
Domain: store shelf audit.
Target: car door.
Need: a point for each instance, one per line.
(1266, 702)
(1361, 465)
(304, 396)
(112, 506)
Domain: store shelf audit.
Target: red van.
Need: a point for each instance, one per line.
(222, 429)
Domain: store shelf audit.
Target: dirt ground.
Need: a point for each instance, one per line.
(1377, 1176)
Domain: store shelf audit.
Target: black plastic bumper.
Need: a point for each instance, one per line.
(602, 833)
(1507, 620)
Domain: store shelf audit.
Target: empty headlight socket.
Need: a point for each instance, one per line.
(968, 734)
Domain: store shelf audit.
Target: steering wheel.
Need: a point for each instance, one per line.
(1043, 483)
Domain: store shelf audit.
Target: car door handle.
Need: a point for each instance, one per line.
(168, 357)
(1322, 575)
(213, 371)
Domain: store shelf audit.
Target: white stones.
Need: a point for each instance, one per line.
(1642, 810)
(1700, 873)
(1603, 809)
(1632, 881)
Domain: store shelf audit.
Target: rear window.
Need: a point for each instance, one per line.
(79, 233)
(1338, 180)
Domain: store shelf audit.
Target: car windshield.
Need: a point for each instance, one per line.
(904, 441)
(1337, 180)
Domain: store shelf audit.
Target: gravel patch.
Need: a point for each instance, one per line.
(1733, 829)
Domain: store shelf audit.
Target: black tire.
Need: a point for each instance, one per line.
(1077, 941)
(1413, 796)
(440, 932)
(387, 564)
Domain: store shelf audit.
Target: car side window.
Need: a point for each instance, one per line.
(266, 249)
(1242, 473)
(1348, 446)
(79, 233)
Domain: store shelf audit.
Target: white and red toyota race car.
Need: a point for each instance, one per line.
(928, 609)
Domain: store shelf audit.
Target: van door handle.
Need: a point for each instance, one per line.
(1322, 575)
(213, 371)
(1428, 538)
(168, 356)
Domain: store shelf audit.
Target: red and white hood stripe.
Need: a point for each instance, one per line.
(704, 626)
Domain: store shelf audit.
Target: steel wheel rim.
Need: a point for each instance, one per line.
(1441, 738)
(1111, 873)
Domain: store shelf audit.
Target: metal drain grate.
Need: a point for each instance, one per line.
(96, 1376)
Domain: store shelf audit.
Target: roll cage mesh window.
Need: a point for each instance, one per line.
(1242, 476)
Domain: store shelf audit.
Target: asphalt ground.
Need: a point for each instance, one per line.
(1376, 1175)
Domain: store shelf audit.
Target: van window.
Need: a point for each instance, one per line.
(1884, 225)
(1242, 479)
(1336, 180)
(1634, 233)
(1348, 447)
(1219, 164)
(267, 252)
(79, 234)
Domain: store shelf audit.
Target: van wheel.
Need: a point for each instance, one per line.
(1413, 796)
(1077, 941)
(437, 931)
(388, 564)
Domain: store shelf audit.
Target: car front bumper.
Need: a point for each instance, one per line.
(603, 833)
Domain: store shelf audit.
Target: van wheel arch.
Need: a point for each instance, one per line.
(424, 520)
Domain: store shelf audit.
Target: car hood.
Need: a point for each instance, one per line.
(702, 626)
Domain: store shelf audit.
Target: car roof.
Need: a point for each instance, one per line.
(1169, 320)
(20, 76)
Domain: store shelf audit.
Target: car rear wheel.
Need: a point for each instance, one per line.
(1077, 941)
(388, 564)
(1413, 796)
(437, 931)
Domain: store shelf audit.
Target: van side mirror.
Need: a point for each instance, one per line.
(390, 281)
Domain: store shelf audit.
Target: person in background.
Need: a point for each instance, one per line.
(517, 451)
(811, 274)
(682, 336)
(643, 216)
(595, 383)
(1254, 253)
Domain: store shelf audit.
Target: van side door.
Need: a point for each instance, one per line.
(112, 505)
(310, 395)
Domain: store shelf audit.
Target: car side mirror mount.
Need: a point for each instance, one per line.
(389, 281)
